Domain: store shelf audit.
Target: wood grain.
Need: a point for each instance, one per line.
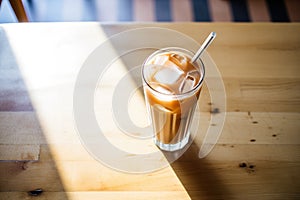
(19, 152)
(257, 155)
(96, 195)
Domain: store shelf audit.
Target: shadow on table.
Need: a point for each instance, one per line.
(26, 164)
(199, 176)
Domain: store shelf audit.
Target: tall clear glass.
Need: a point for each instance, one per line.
(172, 85)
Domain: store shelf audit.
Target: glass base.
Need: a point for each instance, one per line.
(172, 147)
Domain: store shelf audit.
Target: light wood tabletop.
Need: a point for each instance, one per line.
(256, 157)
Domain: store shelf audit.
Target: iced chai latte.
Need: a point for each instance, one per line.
(172, 85)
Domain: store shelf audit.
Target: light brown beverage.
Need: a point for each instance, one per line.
(172, 87)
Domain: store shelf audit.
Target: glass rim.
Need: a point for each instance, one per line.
(189, 53)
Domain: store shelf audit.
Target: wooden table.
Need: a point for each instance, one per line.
(256, 157)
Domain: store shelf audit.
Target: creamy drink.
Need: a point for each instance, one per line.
(172, 86)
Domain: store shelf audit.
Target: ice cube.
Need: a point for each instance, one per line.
(161, 88)
(169, 74)
(179, 60)
(161, 59)
(150, 70)
(187, 84)
(195, 74)
(173, 60)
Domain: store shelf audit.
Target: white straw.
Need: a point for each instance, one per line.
(205, 44)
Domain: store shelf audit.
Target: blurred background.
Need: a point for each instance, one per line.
(154, 10)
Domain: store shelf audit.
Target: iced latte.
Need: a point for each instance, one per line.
(172, 85)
